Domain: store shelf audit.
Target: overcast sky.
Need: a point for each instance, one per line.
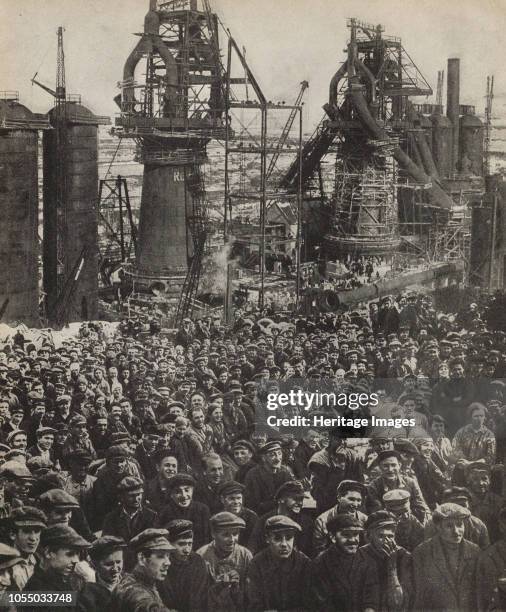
(286, 41)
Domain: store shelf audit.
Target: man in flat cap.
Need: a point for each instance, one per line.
(391, 477)
(131, 516)
(156, 492)
(279, 576)
(243, 452)
(350, 497)
(409, 531)
(334, 585)
(78, 436)
(106, 555)
(445, 566)
(227, 562)
(206, 489)
(44, 446)
(388, 563)
(185, 586)
(231, 494)
(289, 500)
(26, 525)
(484, 504)
(180, 505)
(138, 591)
(104, 490)
(264, 480)
(59, 554)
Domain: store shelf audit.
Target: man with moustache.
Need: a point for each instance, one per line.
(185, 586)
(279, 576)
(106, 555)
(138, 591)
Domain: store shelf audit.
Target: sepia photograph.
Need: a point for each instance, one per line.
(252, 306)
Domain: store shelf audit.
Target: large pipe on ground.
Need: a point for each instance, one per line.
(453, 105)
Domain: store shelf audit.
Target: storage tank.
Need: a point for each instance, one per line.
(79, 217)
(471, 145)
(442, 142)
(19, 247)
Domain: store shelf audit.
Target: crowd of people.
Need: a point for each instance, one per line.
(136, 474)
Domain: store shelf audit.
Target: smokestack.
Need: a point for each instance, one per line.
(453, 105)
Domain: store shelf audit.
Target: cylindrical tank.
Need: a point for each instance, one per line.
(471, 145)
(453, 105)
(442, 134)
(81, 222)
(19, 278)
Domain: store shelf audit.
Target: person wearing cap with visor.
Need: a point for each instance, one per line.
(243, 452)
(262, 481)
(350, 496)
(26, 525)
(131, 516)
(445, 566)
(333, 581)
(279, 576)
(59, 553)
(44, 446)
(409, 531)
(187, 581)
(484, 504)
(227, 562)
(106, 555)
(384, 560)
(138, 591)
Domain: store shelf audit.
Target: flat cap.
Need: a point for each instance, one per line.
(116, 451)
(456, 493)
(230, 487)
(80, 455)
(64, 536)
(58, 498)
(77, 419)
(351, 485)
(151, 539)
(402, 445)
(344, 520)
(396, 499)
(268, 447)
(181, 480)
(14, 469)
(179, 528)
(477, 466)
(281, 523)
(9, 556)
(28, 516)
(224, 520)
(43, 431)
(380, 518)
(387, 454)
(15, 433)
(246, 444)
(290, 488)
(130, 483)
(449, 510)
(101, 547)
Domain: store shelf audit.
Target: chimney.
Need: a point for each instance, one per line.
(453, 105)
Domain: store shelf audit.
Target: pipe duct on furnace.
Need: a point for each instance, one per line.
(453, 106)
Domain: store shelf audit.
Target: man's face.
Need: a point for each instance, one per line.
(59, 515)
(27, 539)
(242, 456)
(226, 539)
(232, 503)
(347, 540)
(109, 569)
(351, 500)
(156, 564)
(478, 418)
(182, 548)
(19, 441)
(150, 442)
(381, 537)
(16, 418)
(101, 426)
(214, 471)
(457, 371)
(63, 560)
(293, 503)
(168, 467)
(46, 441)
(118, 465)
(182, 495)
(78, 470)
(281, 543)
(479, 482)
(312, 439)
(132, 500)
(451, 531)
(390, 468)
(197, 419)
(273, 458)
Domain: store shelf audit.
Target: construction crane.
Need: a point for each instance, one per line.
(488, 123)
(439, 90)
(286, 129)
(56, 310)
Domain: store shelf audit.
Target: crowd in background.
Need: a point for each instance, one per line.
(136, 472)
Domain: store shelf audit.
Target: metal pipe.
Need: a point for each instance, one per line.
(453, 105)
